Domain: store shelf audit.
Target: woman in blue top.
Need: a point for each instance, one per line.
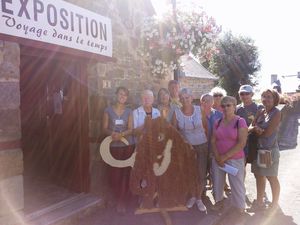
(212, 116)
(266, 126)
(117, 122)
(191, 123)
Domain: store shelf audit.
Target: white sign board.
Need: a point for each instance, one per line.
(57, 22)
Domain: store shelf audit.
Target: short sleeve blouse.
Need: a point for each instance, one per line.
(227, 136)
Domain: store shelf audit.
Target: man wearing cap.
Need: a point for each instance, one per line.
(247, 109)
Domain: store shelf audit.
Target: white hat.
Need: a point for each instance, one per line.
(246, 88)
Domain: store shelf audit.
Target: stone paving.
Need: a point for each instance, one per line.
(288, 215)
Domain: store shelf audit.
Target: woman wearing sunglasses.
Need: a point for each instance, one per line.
(191, 122)
(228, 140)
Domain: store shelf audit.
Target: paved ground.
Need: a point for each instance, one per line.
(288, 215)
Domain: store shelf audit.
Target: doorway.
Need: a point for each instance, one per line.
(54, 121)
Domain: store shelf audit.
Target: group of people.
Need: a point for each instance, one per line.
(221, 133)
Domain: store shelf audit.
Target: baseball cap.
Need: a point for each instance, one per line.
(246, 88)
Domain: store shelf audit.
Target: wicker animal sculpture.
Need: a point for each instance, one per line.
(165, 168)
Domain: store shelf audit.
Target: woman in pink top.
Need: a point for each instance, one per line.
(228, 140)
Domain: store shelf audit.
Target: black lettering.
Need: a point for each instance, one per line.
(80, 41)
(87, 26)
(23, 9)
(8, 18)
(72, 21)
(4, 8)
(32, 30)
(64, 22)
(52, 21)
(103, 33)
(19, 26)
(54, 33)
(26, 28)
(94, 28)
(103, 47)
(79, 22)
(39, 32)
(37, 9)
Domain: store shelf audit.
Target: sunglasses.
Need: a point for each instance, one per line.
(244, 93)
(218, 95)
(226, 105)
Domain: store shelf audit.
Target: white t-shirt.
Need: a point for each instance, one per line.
(139, 116)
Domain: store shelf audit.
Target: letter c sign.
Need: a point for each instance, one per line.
(109, 159)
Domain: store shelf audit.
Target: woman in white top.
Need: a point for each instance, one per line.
(191, 123)
(146, 109)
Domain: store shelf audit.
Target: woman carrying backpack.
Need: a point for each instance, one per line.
(228, 140)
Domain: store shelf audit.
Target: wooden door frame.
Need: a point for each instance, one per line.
(83, 160)
(84, 156)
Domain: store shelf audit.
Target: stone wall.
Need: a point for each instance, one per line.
(11, 158)
(197, 85)
(129, 70)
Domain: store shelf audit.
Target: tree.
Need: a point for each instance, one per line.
(236, 62)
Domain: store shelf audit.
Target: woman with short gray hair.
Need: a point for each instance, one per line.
(146, 109)
(218, 93)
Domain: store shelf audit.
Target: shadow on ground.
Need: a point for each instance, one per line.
(109, 216)
(263, 218)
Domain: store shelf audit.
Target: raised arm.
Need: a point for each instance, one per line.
(273, 125)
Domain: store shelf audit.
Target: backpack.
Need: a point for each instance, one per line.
(236, 125)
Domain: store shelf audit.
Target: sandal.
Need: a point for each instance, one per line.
(255, 207)
(218, 206)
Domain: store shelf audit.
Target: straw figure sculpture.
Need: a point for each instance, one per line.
(170, 187)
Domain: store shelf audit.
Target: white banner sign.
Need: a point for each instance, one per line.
(57, 22)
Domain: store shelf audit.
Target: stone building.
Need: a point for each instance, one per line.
(196, 77)
(53, 92)
(55, 81)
